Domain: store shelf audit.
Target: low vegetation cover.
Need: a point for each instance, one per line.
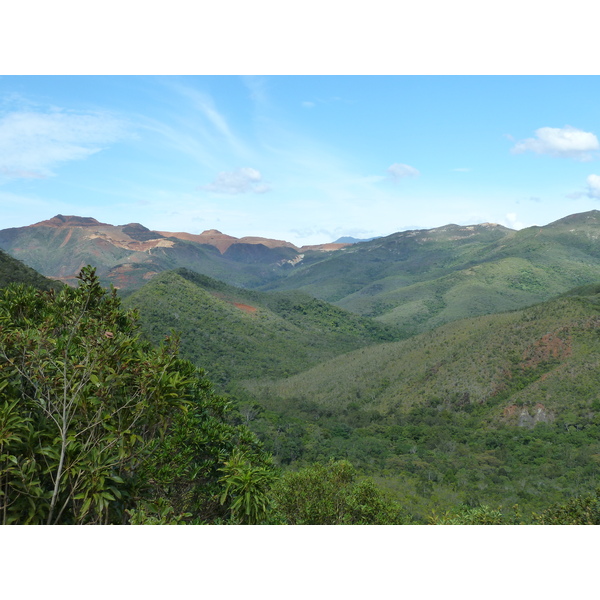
(419, 280)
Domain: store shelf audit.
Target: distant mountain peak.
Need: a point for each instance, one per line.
(352, 240)
(69, 220)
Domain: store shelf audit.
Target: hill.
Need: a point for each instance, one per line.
(14, 271)
(499, 409)
(235, 333)
(421, 279)
(414, 280)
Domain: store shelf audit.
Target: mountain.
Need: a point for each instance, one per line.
(223, 242)
(454, 365)
(129, 255)
(238, 334)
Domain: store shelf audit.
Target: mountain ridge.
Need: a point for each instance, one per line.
(416, 279)
(128, 255)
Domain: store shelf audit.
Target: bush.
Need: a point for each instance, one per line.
(329, 494)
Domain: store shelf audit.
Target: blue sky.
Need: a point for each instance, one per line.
(302, 158)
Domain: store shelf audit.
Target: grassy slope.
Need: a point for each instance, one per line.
(410, 256)
(538, 354)
(235, 333)
(449, 416)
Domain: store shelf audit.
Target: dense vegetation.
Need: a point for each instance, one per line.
(97, 426)
(331, 417)
(238, 334)
(498, 410)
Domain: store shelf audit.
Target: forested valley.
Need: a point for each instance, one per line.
(459, 389)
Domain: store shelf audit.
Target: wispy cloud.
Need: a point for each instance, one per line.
(462, 170)
(241, 181)
(186, 140)
(567, 142)
(205, 104)
(399, 171)
(257, 86)
(33, 144)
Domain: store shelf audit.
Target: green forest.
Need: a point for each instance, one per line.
(443, 376)
(108, 419)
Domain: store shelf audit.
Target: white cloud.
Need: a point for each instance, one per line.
(308, 104)
(462, 170)
(32, 144)
(593, 182)
(566, 142)
(240, 181)
(400, 171)
(511, 221)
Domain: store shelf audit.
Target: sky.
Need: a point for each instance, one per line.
(307, 159)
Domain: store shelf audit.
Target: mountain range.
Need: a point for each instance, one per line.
(415, 280)
(129, 255)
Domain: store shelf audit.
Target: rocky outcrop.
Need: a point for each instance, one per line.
(525, 416)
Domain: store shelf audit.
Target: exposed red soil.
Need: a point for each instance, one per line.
(547, 347)
(245, 307)
(66, 240)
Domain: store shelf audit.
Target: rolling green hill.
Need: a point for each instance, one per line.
(418, 280)
(414, 280)
(500, 409)
(527, 356)
(235, 333)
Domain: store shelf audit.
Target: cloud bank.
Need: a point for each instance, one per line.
(567, 142)
(593, 182)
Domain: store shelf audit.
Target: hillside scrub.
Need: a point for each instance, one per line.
(14, 271)
(497, 410)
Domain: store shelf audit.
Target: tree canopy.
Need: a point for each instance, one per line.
(98, 426)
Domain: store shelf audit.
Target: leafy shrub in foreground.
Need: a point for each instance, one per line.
(97, 426)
